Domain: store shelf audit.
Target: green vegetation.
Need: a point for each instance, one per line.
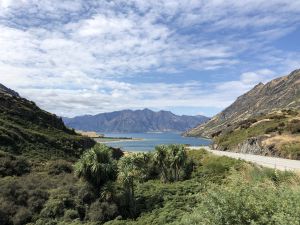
(242, 132)
(282, 126)
(11, 165)
(291, 150)
(97, 166)
(26, 129)
(168, 186)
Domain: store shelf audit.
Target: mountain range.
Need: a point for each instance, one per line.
(278, 94)
(135, 121)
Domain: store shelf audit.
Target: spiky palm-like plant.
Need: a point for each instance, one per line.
(160, 157)
(96, 166)
(129, 171)
(177, 158)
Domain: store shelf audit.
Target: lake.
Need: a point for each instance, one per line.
(150, 140)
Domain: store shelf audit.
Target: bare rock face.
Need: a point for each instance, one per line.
(253, 146)
(280, 93)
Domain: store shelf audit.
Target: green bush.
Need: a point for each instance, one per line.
(243, 203)
(71, 215)
(102, 211)
(23, 216)
(11, 165)
(216, 168)
(53, 208)
(60, 166)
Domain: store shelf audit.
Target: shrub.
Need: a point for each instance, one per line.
(294, 126)
(216, 168)
(291, 150)
(60, 166)
(271, 130)
(277, 117)
(102, 211)
(23, 216)
(70, 215)
(244, 203)
(117, 153)
(11, 165)
(53, 208)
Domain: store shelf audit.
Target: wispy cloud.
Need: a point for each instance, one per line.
(80, 56)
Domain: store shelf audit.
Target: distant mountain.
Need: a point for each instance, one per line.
(134, 121)
(30, 131)
(278, 94)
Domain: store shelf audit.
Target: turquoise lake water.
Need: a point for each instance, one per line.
(150, 140)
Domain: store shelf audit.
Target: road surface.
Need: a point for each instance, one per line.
(271, 162)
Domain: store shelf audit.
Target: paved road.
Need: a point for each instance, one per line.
(271, 162)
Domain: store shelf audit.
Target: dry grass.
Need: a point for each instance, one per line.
(90, 134)
(279, 140)
(258, 122)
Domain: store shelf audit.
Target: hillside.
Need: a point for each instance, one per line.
(135, 121)
(273, 134)
(28, 130)
(280, 93)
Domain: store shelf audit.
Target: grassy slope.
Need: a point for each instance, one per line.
(281, 130)
(26, 129)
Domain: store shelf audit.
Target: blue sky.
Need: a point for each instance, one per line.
(76, 57)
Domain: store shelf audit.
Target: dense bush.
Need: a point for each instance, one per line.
(221, 190)
(60, 166)
(241, 203)
(20, 201)
(102, 211)
(11, 165)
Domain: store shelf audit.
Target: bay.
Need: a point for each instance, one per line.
(150, 140)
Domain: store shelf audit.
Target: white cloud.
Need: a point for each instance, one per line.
(74, 57)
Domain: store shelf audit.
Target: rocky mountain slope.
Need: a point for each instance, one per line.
(135, 121)
(28, 130)
(273, 134)
(280, 93)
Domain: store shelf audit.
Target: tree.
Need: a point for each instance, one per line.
(171, 160)
(129, 171)
(97, 166)
(177, 158)
(160, 158)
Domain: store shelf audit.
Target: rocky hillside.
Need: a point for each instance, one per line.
(281, 93)
(274, 134)
(28, 130)
(135, 121)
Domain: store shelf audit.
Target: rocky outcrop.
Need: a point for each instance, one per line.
(252, 146)
(280, 93)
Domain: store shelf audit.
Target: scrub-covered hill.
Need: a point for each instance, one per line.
(28, 130)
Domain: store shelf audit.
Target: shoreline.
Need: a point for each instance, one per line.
(116, 140)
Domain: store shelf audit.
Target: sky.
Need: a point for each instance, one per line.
(75, 57)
